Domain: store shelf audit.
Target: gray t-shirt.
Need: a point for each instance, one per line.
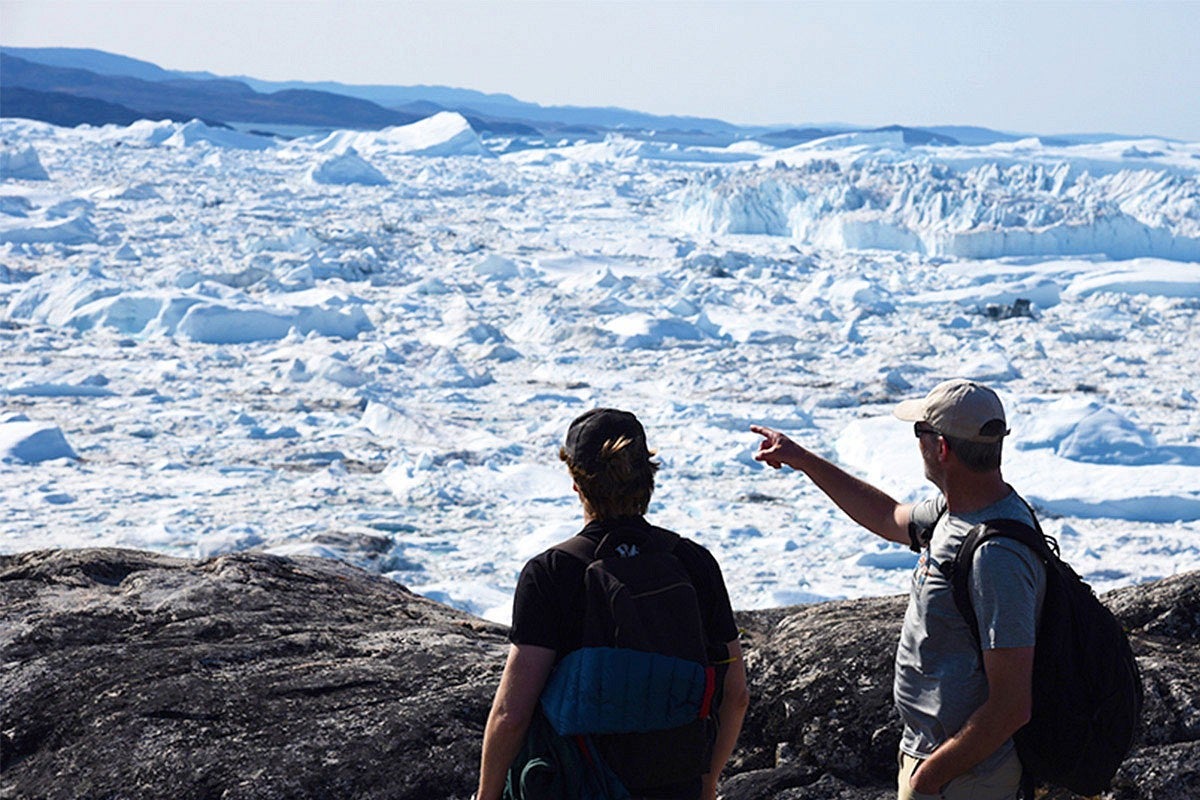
(939, 670)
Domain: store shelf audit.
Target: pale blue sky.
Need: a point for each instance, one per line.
(1046, 67)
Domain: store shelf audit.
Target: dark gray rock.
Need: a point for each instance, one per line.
(822, 725)
(134, 675)
(825, 672)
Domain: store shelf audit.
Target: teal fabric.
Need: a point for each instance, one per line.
(554, 767)
(601, 690)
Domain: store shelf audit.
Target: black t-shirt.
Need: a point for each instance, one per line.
(548, 609)
(548, 605)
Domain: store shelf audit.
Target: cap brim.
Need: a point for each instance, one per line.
(910, 410)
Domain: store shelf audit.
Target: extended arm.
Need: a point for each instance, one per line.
(734, 702)
(524, 676)
(1010, 700)
(868, 506)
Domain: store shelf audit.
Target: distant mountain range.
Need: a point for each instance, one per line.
(213, 99)
(73, 86)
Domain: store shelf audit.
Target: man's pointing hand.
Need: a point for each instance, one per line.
(776, 449)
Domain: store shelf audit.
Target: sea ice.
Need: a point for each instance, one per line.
(21, 165)
(232, 539)
(443, 134)
(1140, 276)
(219, 323)
(1081, 478)
(28, 387)
(45, 229)
(242, 358)
(939, 209)
(32, 441)
(334, 367)
(143, 133)
(496, 268)
(346, 168)
(641, 330)
(194, 133)
(1106, 437)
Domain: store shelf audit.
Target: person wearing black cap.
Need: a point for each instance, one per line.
(613, 475)
(961, 699)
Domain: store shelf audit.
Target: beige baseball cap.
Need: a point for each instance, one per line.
(960, 409)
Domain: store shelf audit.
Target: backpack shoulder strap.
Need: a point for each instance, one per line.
(919, 535)
(662, 539)
(959, 570)
(1026, 534)
(578, 546)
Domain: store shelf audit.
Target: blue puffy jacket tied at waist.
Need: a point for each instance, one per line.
(599, 690)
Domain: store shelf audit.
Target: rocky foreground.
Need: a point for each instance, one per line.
(133, 675)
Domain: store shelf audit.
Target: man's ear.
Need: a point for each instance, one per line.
(943, 449)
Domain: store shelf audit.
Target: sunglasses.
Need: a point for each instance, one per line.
(920, 429)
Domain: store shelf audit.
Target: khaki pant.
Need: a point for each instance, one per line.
(1002, 783)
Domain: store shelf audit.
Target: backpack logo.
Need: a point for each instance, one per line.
(627, 550)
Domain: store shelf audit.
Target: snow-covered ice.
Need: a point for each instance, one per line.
(443, 134)
(196, 132)
(21, 164)
(959, 208)
(347, 168)
(30, 442)
(214, 341)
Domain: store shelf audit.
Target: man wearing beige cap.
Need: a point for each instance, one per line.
(961, 699)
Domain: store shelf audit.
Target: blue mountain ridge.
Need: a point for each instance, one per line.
(213, 99)
(244, 99)
(97, 61)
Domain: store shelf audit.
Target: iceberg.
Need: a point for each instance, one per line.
(21, 165)
(196, 132)
(346, 169)
(444, 134)
(984, 211)
(31, 442)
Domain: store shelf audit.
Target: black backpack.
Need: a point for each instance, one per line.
(1087, 690)
(639, 596)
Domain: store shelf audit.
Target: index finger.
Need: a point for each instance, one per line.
(762, 430)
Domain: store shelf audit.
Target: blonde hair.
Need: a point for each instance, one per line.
(622, 482)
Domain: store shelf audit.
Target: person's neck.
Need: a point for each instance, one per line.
(973, 491)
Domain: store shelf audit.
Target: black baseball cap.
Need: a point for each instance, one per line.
(592, 429)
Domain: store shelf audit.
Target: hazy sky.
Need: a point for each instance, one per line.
(1045, 67)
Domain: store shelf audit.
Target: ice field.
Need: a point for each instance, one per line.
(368, 345)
